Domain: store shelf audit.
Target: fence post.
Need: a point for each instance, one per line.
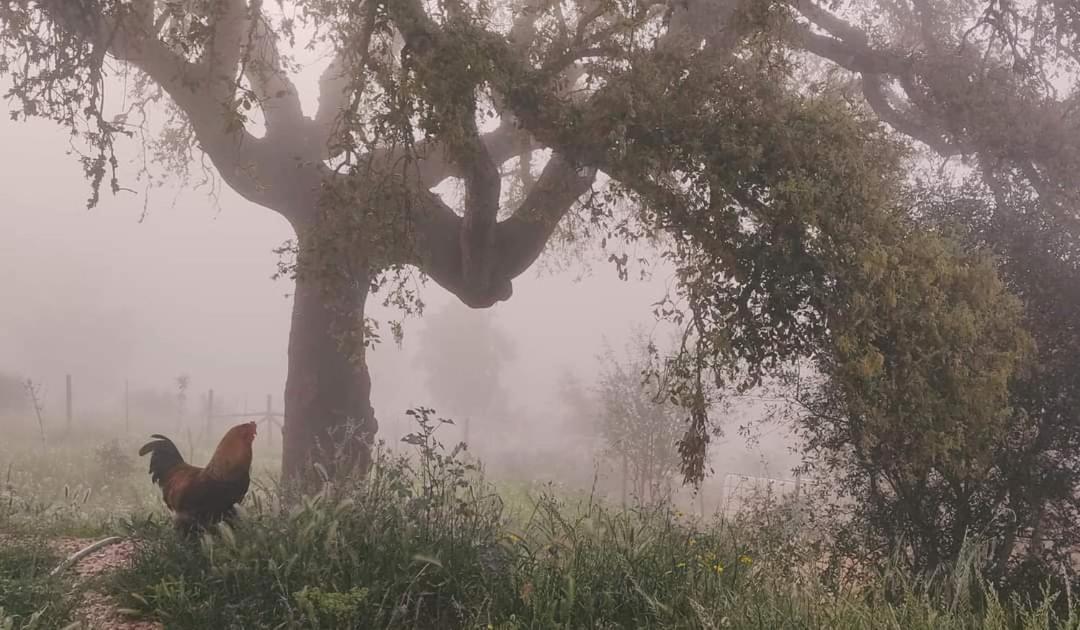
(269, 419)
(67, 400)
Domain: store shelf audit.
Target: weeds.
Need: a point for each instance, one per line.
(425, 542)
(63, 489)
(29, 598)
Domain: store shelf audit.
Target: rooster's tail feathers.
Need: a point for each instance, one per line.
(163, 456)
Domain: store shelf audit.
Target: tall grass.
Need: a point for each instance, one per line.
(29, 598)
(425, 542)
(67, 488)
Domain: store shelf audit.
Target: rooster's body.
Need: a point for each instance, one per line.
(197, 496)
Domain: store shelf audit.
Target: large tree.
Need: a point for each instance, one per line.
(696, 111)
(353, 180)
(639, 427)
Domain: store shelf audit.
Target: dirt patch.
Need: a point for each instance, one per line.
(97, 610)
(110, 558)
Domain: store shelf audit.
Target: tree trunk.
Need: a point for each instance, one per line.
(329, 420)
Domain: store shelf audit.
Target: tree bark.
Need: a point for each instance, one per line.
(329, 419)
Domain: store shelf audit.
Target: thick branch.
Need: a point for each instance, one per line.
(223, 51)
(276, 93)
(204, 91)
(874, 93)
(856, 57)
(337, 85)
(695, 21)
(483, 186)
(521, 238)
(435, 164)
(516, 242)
(457, 108)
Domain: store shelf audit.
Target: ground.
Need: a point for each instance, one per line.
(96, 610)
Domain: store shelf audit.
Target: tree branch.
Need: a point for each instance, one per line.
(874, 93)
(204, 91)
(515, 243)
(856, 57)
(337, 85)
(435, 163)
(522, 237)
(462, 145)
(275, 91)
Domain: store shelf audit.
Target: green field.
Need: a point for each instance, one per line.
(424, 541)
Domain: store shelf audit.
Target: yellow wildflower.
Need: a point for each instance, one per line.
(746, 560)
(719, 568)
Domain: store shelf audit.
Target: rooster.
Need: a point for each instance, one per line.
(199, 497)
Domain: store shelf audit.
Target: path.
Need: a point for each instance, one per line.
(97, 610)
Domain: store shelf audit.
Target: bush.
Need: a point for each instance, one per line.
(113, 460)
(12, 395)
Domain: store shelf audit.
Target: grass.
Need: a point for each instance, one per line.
(84, 484)
(424, 541)
(339, 564)
(29, 598)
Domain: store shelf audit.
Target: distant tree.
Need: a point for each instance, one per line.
(640, 427)
(582, 406)
(153, 405)
(462, 354)
(12, 395)
(183, 383)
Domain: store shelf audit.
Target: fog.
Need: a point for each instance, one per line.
(144, 289)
